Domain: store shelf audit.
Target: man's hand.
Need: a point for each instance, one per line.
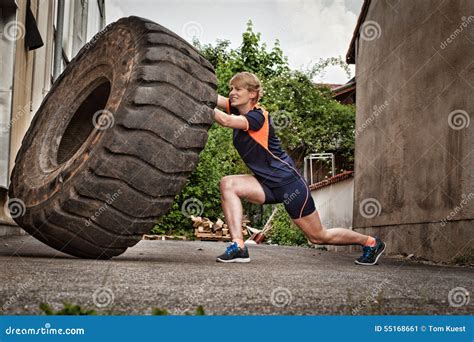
(222, 102)
(233, 121)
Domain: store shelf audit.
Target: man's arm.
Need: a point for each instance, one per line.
(233, 121)
(222, 102)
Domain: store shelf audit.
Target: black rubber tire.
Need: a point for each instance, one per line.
(114, 141)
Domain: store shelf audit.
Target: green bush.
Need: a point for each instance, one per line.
(68, 309)
(284, 231)
(218, 159)
(163, 312)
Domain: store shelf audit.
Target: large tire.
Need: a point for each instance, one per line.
(114, 140)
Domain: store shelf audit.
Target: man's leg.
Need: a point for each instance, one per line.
(233, 189)
(317, 234)
(236, 187)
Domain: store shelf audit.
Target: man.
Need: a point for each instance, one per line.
(275, 178)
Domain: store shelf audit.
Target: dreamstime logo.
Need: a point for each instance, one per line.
(464, 24)
(370, 30)
(281, 119)
(135, 95)
(458, 297)
(103, 297)
(99, 34)
(109, 201)
(186, 304)
(370, 207)
(46, 330)
(15, 207)
(192, 206)
(103, 119)
(21, 289)
(192, 120)
(377, 110)
(281, 297)
(458, 208)
(190, 300)
(372, 297)
(192, 29)
(458, 119)
(290, 197)
(393, 4)
(14, 30)
(17, 115)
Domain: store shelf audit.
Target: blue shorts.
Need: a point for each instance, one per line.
(295, 196)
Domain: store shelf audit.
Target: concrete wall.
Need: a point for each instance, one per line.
(414, 162)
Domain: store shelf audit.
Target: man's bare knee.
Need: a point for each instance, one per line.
(319, 239)
(227, 184)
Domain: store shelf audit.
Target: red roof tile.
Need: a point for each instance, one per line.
(337, 178)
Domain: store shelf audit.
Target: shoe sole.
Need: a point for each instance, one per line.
(376, 258)
(235, 260)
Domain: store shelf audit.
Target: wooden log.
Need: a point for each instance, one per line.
(197, 220)
(208, 224)
(218, 225)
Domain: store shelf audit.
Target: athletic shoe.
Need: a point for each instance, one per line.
(234, 253)
(371, 254)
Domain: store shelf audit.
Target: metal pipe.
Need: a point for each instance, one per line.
(333, 165)
(305, 172)
(58, 41)
(318, 156)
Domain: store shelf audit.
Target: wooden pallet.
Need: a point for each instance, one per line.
(205, 229)
(211, 236)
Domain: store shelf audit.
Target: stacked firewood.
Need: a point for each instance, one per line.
(205, 229)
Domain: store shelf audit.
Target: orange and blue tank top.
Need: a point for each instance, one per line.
(261, 150)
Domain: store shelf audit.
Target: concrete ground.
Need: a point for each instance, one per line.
(180, 275)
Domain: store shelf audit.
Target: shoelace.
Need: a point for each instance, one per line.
(368, 251)
(231, 248)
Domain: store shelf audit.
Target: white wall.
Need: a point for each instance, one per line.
(94, 20)
(335, 204)
(7, 56)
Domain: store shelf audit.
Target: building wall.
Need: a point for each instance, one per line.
(413, 165)
(22, 69)
(7, 56)
(22, 87)
(33, 72)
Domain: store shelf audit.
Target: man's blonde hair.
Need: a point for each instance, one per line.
(248, 81)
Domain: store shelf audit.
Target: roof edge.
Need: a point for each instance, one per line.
(350, 56)
(344, 88)
(332, 180)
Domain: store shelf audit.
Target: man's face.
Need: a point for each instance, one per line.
(240, 96)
